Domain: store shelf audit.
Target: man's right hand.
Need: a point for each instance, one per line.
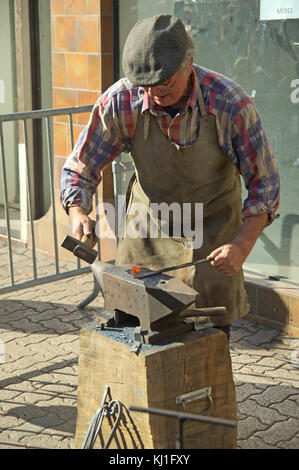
(81, 224)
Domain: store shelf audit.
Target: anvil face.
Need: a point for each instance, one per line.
(151, 300)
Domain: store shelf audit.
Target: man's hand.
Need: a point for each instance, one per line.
(81, 224)
(229, 258)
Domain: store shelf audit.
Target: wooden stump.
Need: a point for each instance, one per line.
(154, 379)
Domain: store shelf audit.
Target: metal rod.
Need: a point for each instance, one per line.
(50, 162)
(92, 296)
(98, 224)
(44, 280)
(89, 438)
(72, 146)
(115, 194)
(37, 114)
(6, 204)
(180, 415)
(71, 130)
(180, 442)
(172, 268)
(29, 199)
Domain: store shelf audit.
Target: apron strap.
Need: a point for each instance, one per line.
(146, 124)
(201, 102)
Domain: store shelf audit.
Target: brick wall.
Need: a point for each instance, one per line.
(82, 68)
(82, 58)
(82, 42)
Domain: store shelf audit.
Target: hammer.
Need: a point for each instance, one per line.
(82, 249)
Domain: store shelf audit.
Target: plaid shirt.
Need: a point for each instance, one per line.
(112, 125)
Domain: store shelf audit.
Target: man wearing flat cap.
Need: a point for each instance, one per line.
(191, 133)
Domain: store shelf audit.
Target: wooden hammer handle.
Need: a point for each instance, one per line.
(89, 240)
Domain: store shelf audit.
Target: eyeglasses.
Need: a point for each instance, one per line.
(164, 85)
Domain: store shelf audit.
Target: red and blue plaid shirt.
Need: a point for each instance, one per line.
(112, 125)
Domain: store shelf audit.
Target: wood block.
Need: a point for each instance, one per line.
(153, 379)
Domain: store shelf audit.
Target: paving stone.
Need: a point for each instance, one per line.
(285, 374)
(60, 340)
(236, 367)
(34, 398)
(45, 315)
(46, 442)
(289, 444)
(245, 359)
(9, 306)
(57, 389)
(27, 326)
(245, 348)
(50, 420)
(21, 363)
(10, 335)
(287, 408)
(8, 422)
(11, 444)
(37, 306)
(57, 326)
(265, 415)
(19, 432)
(241, 331)
(40, 328)
(269, 362)
(26, 412)
(258, 370)
(62, 401)
(247, 390)
(263, 336)
(274, 394)
(248, 426)
(254, 442)
(295, 398)
(279, 432)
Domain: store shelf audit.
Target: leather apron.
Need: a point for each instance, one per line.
(199, 173)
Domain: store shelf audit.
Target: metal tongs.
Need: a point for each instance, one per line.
(136, 269)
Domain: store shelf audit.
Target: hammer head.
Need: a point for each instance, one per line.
(79, 249)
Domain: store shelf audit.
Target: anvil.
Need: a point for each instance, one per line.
(160, 302)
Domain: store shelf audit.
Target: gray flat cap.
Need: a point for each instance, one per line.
(154, 50)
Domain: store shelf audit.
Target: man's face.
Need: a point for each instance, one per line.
(173, 91)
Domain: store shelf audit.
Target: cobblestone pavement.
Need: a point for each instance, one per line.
(39, 348)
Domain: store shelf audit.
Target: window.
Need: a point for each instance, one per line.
(264, 58)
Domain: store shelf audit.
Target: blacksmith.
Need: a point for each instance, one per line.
(191, 133)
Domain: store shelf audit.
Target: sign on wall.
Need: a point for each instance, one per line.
(279, 9)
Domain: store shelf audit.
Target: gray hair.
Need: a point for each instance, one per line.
(190, 51)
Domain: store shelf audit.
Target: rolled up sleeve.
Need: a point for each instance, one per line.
(256, 164)
(96, 147)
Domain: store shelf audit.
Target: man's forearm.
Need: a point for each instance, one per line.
(251, 229)
(229, 258)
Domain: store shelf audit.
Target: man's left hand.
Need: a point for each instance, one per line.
(228, 259)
